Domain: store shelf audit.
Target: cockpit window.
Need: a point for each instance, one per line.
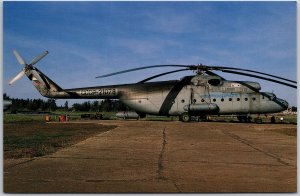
(271, 96)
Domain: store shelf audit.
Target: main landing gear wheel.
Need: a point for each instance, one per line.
(185, 117)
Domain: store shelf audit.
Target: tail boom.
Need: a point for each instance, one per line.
(50, 89)
(101, 92)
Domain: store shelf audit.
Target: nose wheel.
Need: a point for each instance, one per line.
(185, 117)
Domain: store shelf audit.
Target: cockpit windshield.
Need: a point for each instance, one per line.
(269, 95)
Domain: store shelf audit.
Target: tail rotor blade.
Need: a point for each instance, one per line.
(38, 58)
(19, 58)
(26, 66)
(19, 76)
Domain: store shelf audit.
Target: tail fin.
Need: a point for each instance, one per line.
(42, 83)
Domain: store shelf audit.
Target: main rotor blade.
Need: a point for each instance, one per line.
(38, 58)
(162, 74)
(139, 68)
(19, 58)
(248, 70)
(19, 76)
(260, 77)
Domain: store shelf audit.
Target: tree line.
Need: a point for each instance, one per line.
(50, 105)
(106, 105)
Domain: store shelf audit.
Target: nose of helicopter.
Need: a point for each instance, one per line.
(284, 104)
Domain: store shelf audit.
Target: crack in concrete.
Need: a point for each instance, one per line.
(94, 158)
(161, 158)
(177, 187)
(160, 170)
(16, 164)
(248, 143)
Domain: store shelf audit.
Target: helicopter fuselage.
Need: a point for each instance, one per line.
(196, 95)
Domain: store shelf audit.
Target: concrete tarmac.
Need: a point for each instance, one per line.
(164, 157)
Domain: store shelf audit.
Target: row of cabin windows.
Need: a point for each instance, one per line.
(230, 99)
(214, 100)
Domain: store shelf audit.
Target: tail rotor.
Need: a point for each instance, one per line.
(26, 66)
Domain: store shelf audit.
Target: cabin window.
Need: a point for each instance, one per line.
(214, 100)
(238, 99)
(230, 99)
(214, 82)
(263, 97)
(194, 100)
(182, 100)
(253, 98)
(222, 99)
(202, 100)
(246, 99)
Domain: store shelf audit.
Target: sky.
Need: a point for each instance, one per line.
(88, 39)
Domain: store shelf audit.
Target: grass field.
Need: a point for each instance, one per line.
(15, 118)
(25, 138)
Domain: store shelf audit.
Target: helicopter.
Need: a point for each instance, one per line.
(201, 94)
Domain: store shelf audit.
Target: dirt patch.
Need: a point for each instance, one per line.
(37, 139)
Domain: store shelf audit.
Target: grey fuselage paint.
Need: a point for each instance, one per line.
(171, 97)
